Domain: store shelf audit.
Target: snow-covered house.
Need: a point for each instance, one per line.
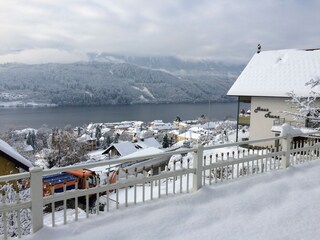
(89, 143)
(266, 81)
(126, 148)
(189, 135)
(11, 161)
(159, 125)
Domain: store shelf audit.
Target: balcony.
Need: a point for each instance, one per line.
(244, 119)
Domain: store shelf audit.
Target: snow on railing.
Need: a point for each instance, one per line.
(188, 170)
(304, 150)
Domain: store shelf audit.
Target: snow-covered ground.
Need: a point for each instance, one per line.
(282, 204)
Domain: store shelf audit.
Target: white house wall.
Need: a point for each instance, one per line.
(262, 120)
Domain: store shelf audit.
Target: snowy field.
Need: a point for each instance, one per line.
(283, 204)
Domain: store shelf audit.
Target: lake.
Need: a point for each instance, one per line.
(18, 118)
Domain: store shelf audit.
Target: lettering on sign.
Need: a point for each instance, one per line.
(268, 115)
(260, 109)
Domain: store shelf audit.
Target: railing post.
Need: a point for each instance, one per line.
(285, 163)
(36, 198)
(197, 164)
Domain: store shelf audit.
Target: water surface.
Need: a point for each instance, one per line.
(18, 118)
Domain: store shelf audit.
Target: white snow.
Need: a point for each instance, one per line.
(286, 129)
(281, 204)
(85, 138)
(188, 135)
(142, 98)
(145, 91)
(275, 73)
(143, 152)
(89, 93)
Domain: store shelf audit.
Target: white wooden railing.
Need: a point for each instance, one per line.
(208, 165)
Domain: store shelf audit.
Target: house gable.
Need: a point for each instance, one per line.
(8, 154)
(122, 148)
(126, 148)
(7, 166)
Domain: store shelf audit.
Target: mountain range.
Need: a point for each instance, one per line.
(116, 79)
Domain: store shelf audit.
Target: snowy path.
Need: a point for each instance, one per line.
(277, 205)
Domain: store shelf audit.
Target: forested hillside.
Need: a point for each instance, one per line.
(109, 80)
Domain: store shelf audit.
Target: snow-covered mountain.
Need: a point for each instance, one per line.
(110, 79)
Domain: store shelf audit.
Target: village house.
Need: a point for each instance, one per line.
(89, 143)
(265, 83)
(11, 161)
(126, 148)
(159, 125)
(189, 135)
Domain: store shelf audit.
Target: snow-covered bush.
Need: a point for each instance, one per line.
(11, 196)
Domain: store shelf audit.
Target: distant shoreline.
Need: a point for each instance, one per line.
(19, 104)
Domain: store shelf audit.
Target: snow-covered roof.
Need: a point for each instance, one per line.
(144, 152)
(190, 135)
(275, 73)
(124, 148)
(148, 142)
(8, 151)
(85, 138)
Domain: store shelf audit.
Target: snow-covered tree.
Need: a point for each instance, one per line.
(305, 107)
(42, 136)
(66, 150)
(11, 196)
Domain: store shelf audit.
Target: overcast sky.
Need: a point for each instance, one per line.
(228, 30)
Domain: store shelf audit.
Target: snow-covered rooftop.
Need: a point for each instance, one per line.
(148, 142)
(85, 138)
(14, 155)
(144, 152)
(124, 148)
(275, 73)
(190, 135)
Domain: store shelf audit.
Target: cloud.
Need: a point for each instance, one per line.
(39, 56)
(218, 29)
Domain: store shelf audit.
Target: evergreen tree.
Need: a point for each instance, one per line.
(108, 141)
(98, 134)
(31, 139)
(171, 141)
(165, 141)
(116, 138)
